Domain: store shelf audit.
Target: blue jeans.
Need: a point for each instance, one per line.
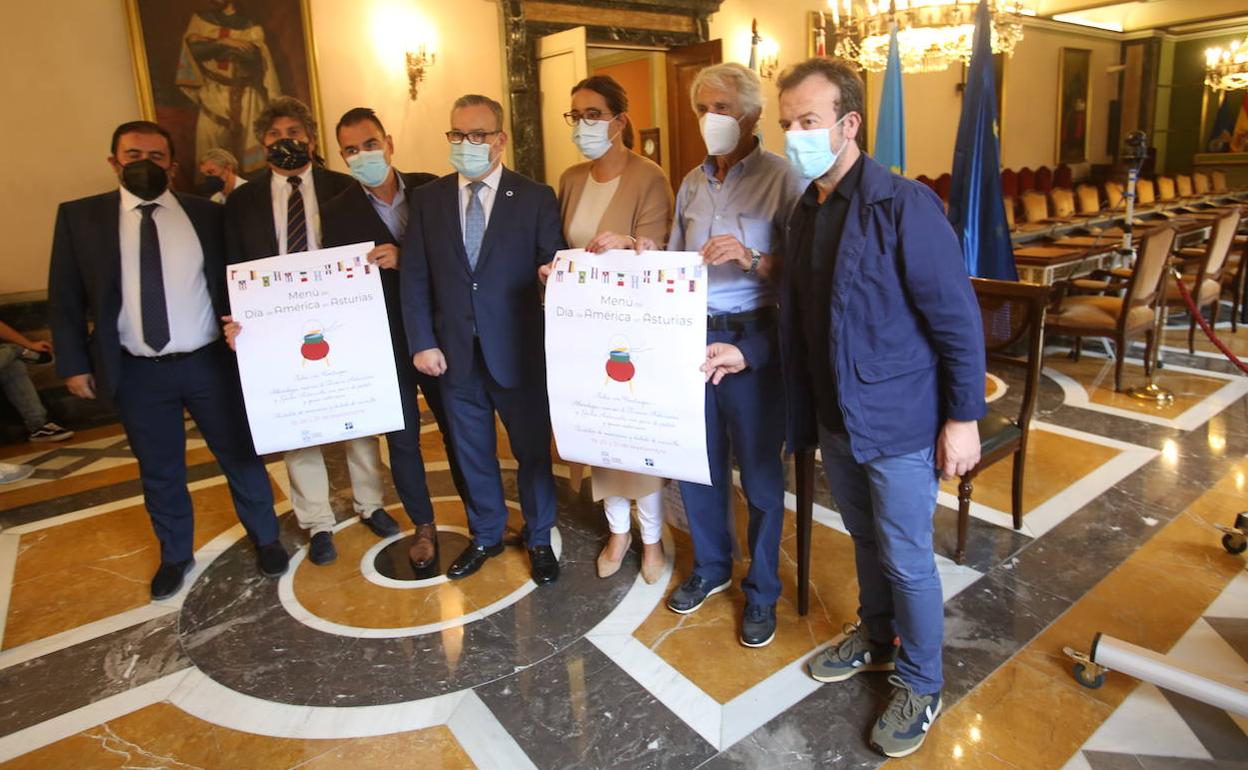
(15, 381)
(744, 416)
(887, 504)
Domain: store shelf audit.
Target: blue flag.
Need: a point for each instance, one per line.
(890, 134)
(976, 208)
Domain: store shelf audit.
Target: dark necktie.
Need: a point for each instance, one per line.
(154, 311)
(296, 219)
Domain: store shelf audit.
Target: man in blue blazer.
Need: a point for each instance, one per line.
(376, 210)
(136, 284)
(473, 312)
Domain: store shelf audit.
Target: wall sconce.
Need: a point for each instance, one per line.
(417, 64)
(764, 54)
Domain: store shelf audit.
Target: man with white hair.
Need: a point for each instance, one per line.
(732, 209)
(220, 171)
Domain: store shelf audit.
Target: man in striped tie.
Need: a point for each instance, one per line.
(279, 213)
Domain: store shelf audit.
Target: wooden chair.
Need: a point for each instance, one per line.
(944, 183)
(1165, 188)
(1062, 177)
(1088, 199)
(1184, 184)
(1125, 317)
(1203, 273)
(1145, 192)
(1013, 316)
(1026, 179)
(1035, 206)
(1200, 183)
(1009, 211)
(1044, 179)
(927, 180)
(1009, 183)
(1063, 203)
(1219, 180)
(1113, 195)
(1234, 277)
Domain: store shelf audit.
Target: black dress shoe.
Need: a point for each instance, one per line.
(321, 550)
(382, 524)
(168, 579)
(543, 564)
(471, 559)
(273, 559)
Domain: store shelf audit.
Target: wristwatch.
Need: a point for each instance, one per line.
(755, 258)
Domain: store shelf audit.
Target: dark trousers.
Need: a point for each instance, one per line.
(745, 418)
(407, 463)
(150, 398)
(472, 399)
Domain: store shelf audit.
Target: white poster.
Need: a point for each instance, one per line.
(625, 337)
(314, 353)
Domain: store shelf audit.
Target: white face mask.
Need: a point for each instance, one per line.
(593, 141)
(720, 132)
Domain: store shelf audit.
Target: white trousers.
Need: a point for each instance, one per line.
(649, 514)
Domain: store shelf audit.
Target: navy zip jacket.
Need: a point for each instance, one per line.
(905, 335)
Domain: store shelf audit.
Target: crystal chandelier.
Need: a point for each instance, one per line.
(931, 34)
(1226, 69)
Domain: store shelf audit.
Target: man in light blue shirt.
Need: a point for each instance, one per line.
(733, 209)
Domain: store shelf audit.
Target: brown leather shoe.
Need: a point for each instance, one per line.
(425, 547)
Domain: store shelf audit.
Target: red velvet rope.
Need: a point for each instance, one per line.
(1204, 325)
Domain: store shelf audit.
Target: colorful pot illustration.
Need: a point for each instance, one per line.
(619, 367)
(315, 347)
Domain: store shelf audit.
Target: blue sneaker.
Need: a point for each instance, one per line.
(903, 726)
(852, 654)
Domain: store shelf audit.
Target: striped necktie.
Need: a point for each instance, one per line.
(474, 224)
(296, 219)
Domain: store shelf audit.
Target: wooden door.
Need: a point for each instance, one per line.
(686, 145)
(563, 61)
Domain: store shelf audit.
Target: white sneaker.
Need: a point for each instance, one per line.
(10, 473)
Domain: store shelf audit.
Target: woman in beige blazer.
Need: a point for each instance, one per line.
(616, 200)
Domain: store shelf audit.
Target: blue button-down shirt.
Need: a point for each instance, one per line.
(394, 213)
(752, 204)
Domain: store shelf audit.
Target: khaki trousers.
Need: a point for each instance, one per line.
(309, 482)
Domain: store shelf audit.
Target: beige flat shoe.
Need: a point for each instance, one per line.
(652, 562)
(607, 567)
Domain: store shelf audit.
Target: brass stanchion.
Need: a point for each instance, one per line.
(1152, 391)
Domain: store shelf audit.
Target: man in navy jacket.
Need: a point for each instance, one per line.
(884, 368)
(136, 283)
(473, 311)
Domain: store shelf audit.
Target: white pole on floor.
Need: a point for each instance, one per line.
(1155, 668)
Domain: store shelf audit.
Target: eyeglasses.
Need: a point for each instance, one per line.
(473, 137)
(589, 117)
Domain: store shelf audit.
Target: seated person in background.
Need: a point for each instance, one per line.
(220, 171)
(617, 200)
(15, 348)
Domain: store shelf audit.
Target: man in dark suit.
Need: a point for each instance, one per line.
(279, 212)
(376, 210)
(473, 312)
(144, 267)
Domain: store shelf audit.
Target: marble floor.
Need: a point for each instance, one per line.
(363, 665)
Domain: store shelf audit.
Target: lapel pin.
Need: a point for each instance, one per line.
(510, 193)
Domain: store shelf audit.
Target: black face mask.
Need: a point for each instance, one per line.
(145, 179)
(289, 154)
(211, 186)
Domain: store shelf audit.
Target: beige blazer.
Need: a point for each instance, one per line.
(642, 205)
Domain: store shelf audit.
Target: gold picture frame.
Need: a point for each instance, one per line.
(1074, 97)
(281, 61)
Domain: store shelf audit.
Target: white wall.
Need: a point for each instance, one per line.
(74, 82)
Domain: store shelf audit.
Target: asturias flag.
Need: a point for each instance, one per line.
(976, 208)
(890, 135)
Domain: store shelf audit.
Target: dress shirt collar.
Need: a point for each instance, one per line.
(130, 201)
(279, 182)
(491, 179)
(743, 166)
(398, 196)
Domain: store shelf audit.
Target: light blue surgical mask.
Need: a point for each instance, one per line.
(369, 167)
(593, 141)
(811, 151)
(471, 160)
